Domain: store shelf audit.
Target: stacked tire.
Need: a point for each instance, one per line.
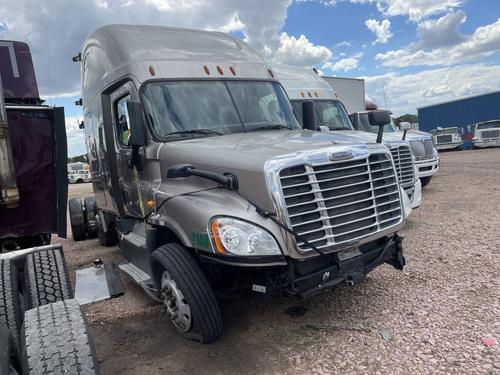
(52, 338)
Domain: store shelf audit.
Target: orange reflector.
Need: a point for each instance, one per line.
(270, 72)
(302, 94)
(151, 70)
(215, 234)
(219, 69)
(150, 204)
(232, 70)
(205, 68)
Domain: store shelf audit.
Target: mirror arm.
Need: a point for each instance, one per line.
(135, 159)
(404, 134)
(380, 133)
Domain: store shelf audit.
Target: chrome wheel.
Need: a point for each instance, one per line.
(176, 305)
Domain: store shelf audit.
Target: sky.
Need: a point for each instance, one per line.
(418, 52)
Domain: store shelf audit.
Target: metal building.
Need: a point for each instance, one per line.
(460, 112)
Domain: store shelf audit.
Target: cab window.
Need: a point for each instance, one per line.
(122, 120)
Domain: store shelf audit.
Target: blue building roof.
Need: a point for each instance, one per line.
(461, 112)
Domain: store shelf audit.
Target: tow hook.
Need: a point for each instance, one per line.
(355, 278)
(399, 261)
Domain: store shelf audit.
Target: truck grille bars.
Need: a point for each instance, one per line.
(446, 138)
(403, 161)
(333, 203)
(485, 134)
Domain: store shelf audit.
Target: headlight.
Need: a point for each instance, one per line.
(236, 237)
(406, 203)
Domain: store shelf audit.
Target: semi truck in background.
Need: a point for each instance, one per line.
(426, 155)
(487, 134)
(304, 85)
(447, 138)
(203, 175)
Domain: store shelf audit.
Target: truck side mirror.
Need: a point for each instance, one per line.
(308, 115)
(379, 118)
(136, 124)
(354, 120)
(137, 129)
(404, 126)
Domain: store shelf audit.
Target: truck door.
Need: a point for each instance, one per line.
(129, 179)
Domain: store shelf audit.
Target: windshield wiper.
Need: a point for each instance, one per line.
(192, 132)
(269, 127)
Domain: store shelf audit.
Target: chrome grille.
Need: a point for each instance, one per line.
(428, 148)
(446, 138)
(337, 202)
(423, 150)
(403, 161)
(485, 134)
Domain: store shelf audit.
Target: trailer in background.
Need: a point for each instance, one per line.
(350, 91)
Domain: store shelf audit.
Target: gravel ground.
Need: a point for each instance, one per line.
(430, 318)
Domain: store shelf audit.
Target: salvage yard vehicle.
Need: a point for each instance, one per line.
(42, 328)
(78, 176)
(487, 134)
(304, 85)
(202, 173)
(447, 138)
(425, 154)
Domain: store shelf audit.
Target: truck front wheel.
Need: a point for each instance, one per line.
(188, 297)
(425, 180)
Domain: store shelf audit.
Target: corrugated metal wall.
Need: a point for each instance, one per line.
(460, 113)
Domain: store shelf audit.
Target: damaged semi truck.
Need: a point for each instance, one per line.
(204, 176)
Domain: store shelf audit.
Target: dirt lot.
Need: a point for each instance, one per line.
(434, 313)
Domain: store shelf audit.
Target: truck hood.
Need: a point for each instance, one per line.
(367, 137)
(249, 151)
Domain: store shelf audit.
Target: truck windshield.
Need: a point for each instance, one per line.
(364, 125)
(329, 113)
(209, 108)
(489, 125)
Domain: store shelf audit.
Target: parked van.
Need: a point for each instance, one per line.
(304, 85)
(447, 138)
(487, 134)
(202, 172)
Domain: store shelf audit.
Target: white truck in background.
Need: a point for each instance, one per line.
(447, 138)
(487, 134)
(350, 91)
(329, 115)
(426, 155)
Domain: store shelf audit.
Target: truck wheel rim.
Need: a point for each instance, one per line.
(175, 303)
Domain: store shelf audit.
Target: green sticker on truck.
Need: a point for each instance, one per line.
(200, 240)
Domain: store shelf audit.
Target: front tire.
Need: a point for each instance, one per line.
(76, 219)
(425, 180)
(188, 297)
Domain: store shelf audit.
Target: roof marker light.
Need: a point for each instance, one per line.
(205, 68)
(308, 93)
(316, 94)
(302, 94)
(270, 72)
(151, 70)
(232, 70)
(219, 69)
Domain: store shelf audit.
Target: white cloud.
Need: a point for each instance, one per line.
(382, 30)
(416, 10)
(55, 31)
(343, 64)
(441, 32)
(485, 41)
(406, 92)
(345, 43)
(74, 135)
(300, 52)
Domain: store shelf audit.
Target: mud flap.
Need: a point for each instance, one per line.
(97, 283)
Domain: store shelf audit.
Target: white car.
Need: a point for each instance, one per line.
(447, 138)
(487, 134)
(78, 176)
